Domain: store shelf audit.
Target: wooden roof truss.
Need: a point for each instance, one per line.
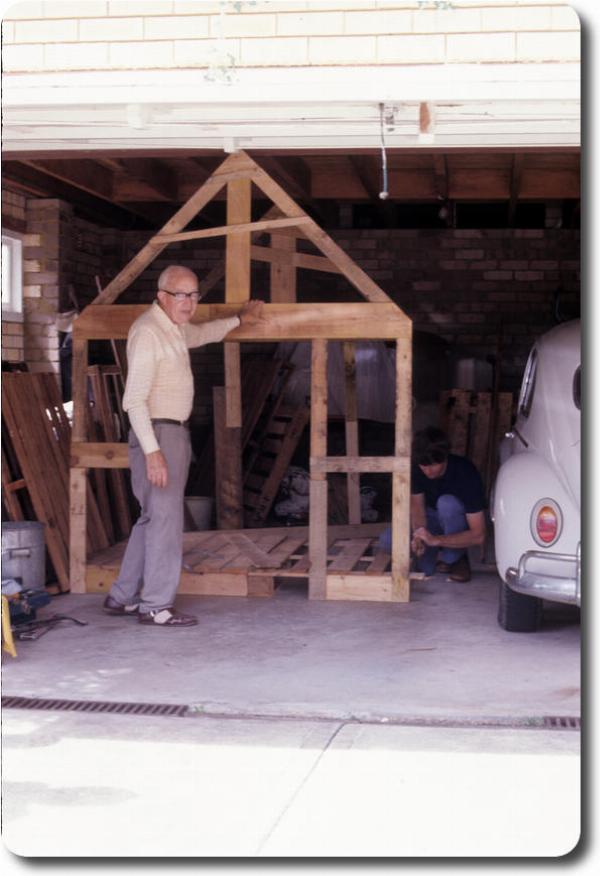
(376, 318)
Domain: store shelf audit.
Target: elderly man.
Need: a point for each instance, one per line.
(158, 398)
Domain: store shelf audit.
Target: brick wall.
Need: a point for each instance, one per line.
(13, 219)
(120, 34)
(469, 287)
(47, 229)
(60, 252)
(473, 287)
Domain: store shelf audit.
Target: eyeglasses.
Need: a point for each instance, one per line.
(183, 296)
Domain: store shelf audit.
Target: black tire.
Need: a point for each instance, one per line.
(518, 613)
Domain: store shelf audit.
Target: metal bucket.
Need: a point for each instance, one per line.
(24, 553)
(200, 508)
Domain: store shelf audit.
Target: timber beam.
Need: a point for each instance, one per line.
(297, 322)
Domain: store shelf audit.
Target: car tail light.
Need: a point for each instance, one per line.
(546, 522)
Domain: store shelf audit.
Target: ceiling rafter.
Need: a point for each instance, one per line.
(364, 170)
(294, 175)
(440, 173)
(42, 185)
(515, 186)
(152, 172)
(82, 173)
(144, 185)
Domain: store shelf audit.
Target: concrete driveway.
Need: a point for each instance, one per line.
(308, 729)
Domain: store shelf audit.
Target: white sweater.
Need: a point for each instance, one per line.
(160, 383)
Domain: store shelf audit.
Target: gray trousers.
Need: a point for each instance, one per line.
(151, 566)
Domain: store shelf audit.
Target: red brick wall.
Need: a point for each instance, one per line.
(470, 287)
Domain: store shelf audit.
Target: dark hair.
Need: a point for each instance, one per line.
(430, 446)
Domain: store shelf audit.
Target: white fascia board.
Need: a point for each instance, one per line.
(473, 105)
(297, 85)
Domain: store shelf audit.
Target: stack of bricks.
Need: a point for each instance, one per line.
(41, 283)
(13, 210)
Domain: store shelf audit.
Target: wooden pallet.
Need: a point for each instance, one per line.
(248, 562)
(475, 423)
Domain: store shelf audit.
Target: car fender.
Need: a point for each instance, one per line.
(524, 480)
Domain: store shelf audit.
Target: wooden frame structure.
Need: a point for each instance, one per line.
(377, 318)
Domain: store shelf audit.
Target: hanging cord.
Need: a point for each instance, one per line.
(383, 194)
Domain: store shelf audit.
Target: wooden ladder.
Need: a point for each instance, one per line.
(271, 454)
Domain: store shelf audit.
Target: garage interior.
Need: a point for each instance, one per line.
(479, 248)
(481, 270)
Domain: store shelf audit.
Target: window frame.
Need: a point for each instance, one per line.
(528, 384)
(12, 309)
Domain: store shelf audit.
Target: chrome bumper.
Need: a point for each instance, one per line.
(555, 588)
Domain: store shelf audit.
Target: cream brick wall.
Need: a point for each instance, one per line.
(161, 34)
(496, 47)
(13, 218)
(311, 24)
(111, 29)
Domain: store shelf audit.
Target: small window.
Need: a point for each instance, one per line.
(12, 275)
(577, 388)
(528, 385)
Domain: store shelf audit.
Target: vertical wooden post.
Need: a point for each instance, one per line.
(317, 521)
(401, 479)
(227, 466)
(233, 386)
(78, 476)
(352, 479)
(237, 289)
(283, 277)
(237, 254)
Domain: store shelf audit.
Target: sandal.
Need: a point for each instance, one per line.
(167, 618)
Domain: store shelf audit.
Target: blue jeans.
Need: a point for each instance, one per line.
(446, 518)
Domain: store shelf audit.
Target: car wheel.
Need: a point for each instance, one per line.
(518, 613)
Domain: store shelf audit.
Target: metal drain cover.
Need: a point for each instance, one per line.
(93, 706)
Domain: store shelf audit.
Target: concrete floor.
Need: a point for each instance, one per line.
(316, 732)
(440, 656)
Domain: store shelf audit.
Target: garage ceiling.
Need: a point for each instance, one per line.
(146, 187)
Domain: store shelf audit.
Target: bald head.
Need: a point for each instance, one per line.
(178, 293)
(175, 274)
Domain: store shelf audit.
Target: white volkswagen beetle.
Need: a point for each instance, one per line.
(536, 504)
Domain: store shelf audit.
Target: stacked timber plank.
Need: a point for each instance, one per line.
(107, 422)
(38, 434)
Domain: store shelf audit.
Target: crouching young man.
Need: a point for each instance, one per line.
(447, 507)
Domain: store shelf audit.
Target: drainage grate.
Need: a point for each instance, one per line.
(94, 706)
(562, 723)
(545, 723)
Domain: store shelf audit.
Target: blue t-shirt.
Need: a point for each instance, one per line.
(461, 479)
